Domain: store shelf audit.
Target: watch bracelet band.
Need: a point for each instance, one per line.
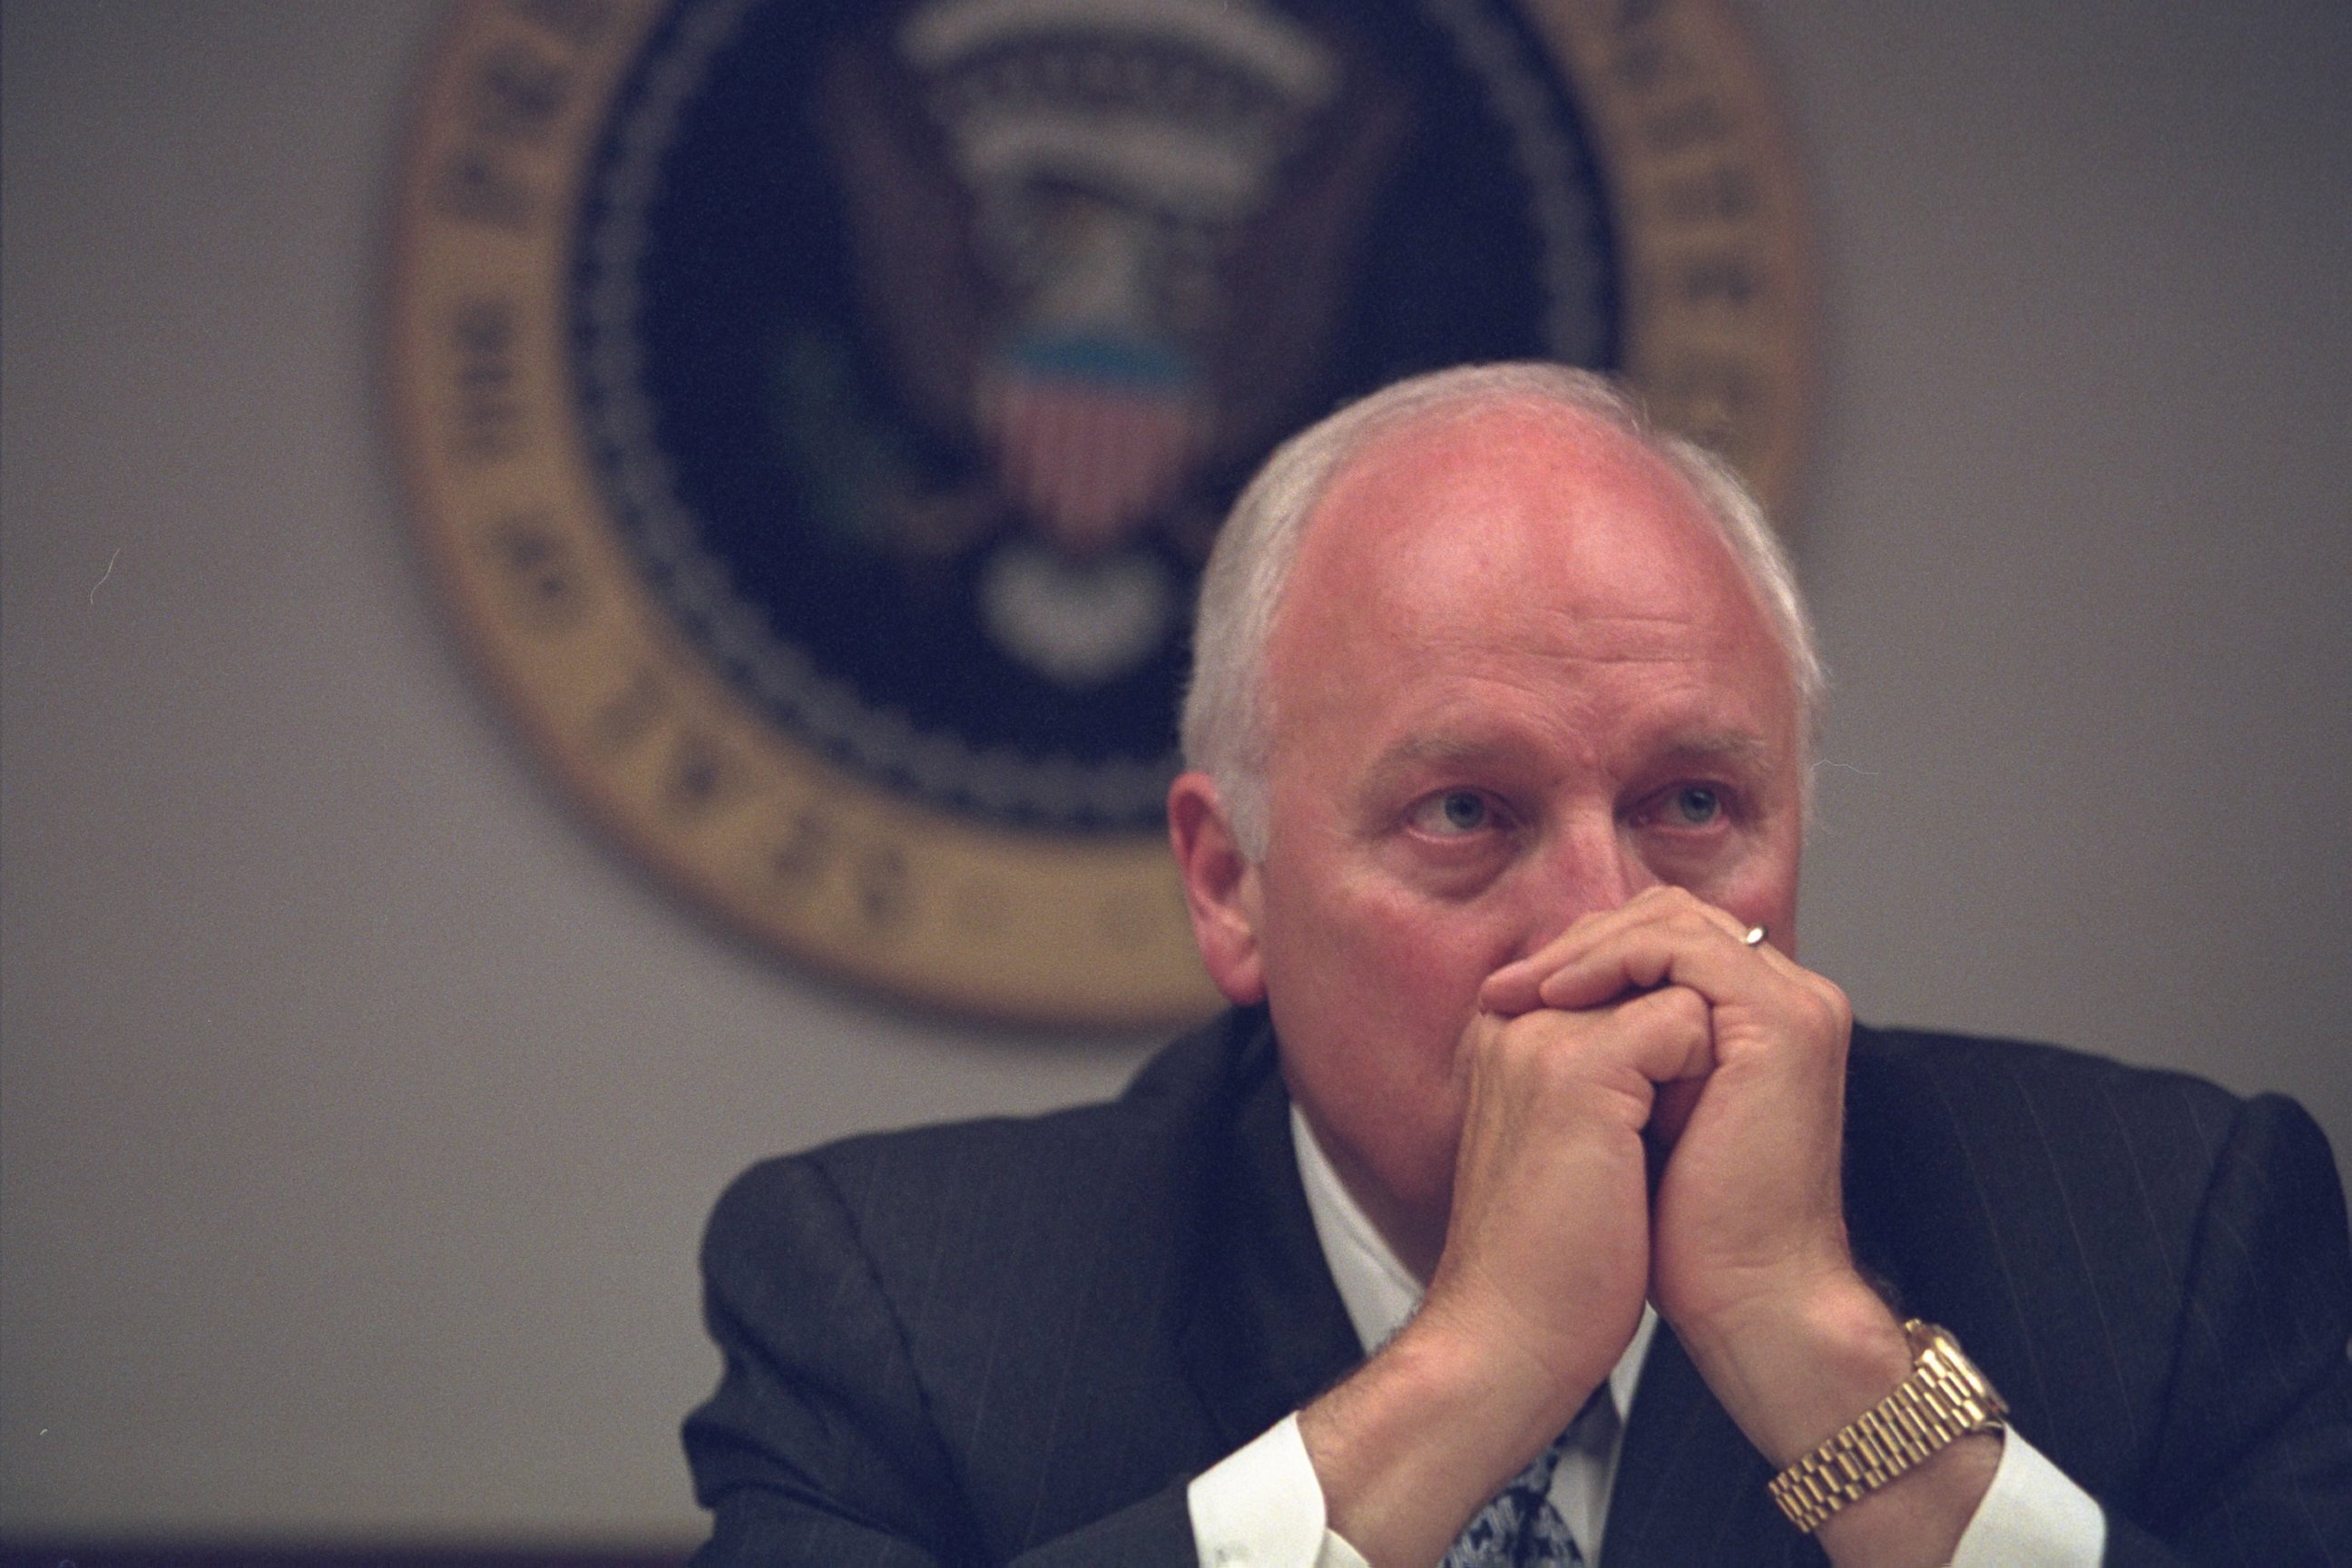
(1943, 1400)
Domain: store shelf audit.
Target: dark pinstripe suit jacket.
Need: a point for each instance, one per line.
(1017, 1340)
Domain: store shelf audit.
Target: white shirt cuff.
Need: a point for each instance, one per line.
(2031, 1516)
(1262, 1506)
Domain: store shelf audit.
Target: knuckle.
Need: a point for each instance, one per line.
(1681, 900)
(1832, 1005)
(1672, 1007)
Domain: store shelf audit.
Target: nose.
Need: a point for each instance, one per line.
(1586, 865)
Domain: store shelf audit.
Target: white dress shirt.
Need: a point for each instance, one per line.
(1262, 1505)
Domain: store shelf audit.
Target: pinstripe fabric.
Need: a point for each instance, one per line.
(1018, 1340)
(957, 1345)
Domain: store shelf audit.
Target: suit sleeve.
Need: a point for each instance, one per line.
(818, 1447)
(2253, 1464)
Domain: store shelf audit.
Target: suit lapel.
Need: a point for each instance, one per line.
(1267, 1331)
(1690, 1487)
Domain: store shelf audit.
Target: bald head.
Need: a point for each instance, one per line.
(1228, 717)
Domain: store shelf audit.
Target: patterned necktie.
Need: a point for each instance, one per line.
(1520, 1529)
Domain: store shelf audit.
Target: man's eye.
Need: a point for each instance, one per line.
(1456, 811)
(1695, 805)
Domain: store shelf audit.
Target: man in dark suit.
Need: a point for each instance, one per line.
(1534, 1203)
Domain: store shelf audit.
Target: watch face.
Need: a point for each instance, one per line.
(819, 413)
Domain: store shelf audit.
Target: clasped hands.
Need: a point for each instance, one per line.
(1654, 1110)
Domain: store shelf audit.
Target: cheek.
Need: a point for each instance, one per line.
(1386, 1100)
(1765, 891)
(1385, 960)
(1376, 1004)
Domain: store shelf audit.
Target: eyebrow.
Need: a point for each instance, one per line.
(1442, 751)
(1729, 749)
(1726, 746)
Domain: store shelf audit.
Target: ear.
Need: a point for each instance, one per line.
(1221, 887)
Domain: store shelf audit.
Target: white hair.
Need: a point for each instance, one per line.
(1227, 725)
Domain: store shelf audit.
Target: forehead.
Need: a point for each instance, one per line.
(1513, 527)
(1534, 588)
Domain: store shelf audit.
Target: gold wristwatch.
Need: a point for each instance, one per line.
(1944, 1399)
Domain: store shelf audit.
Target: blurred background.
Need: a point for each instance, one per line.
(359, 1110)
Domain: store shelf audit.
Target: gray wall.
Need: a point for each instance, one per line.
(358, 1111)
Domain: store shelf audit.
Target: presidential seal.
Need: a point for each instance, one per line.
(817, 414)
